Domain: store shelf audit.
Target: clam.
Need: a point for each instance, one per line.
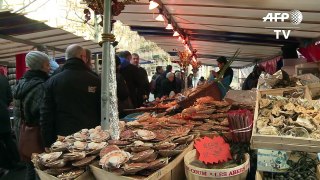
(114, 159)
(49, 157)
(184, 139)
(145, 134)
(165, 145)
(108, 149)
(133, 168)
(71, 175)
(158, 164)
(59, 146)
(84, 162)
(127, 135)
(73, 156)
(141, 156)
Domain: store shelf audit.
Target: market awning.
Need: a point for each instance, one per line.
(220, 27)
(18, 34)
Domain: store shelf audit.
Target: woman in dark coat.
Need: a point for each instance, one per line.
(168, 85)
(30, 92)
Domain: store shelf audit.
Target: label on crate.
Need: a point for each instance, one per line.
(272, 160)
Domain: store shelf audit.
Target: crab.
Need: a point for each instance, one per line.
(114, 159)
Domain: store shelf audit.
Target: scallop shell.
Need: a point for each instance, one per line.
(56, 164)
(114, 159)
(145, 134)
(49, 157)
(158, 164)
(71, 175)
(184, 139)
(133, 168)
(73, 156)
(141, 156)
(83, 162)
(165, 145)
(57, 171)
(108, 149)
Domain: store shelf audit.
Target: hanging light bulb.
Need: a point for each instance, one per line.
(160, 17)
(179, 38)
(153, 5)
(176, 33)
(183, 41)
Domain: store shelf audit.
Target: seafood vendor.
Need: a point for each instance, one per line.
(227, 76)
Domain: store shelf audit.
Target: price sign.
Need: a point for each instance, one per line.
(214, 150)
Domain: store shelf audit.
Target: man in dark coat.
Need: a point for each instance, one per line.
(155, 84)
(72, 100)
(130, 73)
(144, 91)
(9, 151)
(168, 85)
(252, 80)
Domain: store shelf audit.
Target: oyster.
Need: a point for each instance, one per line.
(276, 111)
(127, 135)
(224, 122)
(277, 122)
(73, 156)
(71, 175)
(152, 157)
(268, 130)
(108, 149)
(300, 109)
(35, 158)
(134, 124)
(133, 168)
(165, 145)
(141, 156)
(315, 134)
(145, 134)
(184, 139)
(262, 122)
(158, 164)
(264, 103)
(176, 121)
(305, 121)
(298, 132)
(289, 107)
(59, 146)
(49, 157)
(265, 112)
(114, 159)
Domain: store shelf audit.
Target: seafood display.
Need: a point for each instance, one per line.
(288, 117)
(70, 155)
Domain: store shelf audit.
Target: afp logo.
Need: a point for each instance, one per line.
(295, 17)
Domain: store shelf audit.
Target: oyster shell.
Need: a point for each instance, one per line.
(114, 159)
(133, 168)
(176, 121)
(73, 156)
(277, 122)
(315, 134)
(300, 109)
(298, 132)
(305, 121)
(264, 103)
(268, 130)
(265, 112)
(145, 134)
(262, 122)
(289, 107)
(180, 131)
(276, 111)
(141, 156)
(200, 117)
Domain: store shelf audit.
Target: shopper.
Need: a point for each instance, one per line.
(201, 81)
(144, 91)
(130, 74)
(179, 82)
(8, 149)
(190, 81)
(53, 64)
(124, 101)
(29, 97)
(168, 69)
(72, 100)
(168, 85)
(155, 84)
(252, 80)
(228, 74)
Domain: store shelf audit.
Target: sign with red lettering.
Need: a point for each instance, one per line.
(214, 150)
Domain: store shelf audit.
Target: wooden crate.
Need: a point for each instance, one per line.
(259, 141)
(259, 174)
(314, 89)
(173, 171)
(281, 91)
(45, 176)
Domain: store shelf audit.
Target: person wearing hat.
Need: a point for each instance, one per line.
(30, 93)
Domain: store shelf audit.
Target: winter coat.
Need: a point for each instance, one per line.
(166, 87)
(124, 101)
(72, 101)
(145, 88)
(30, 91)
(131, 75)
(5, 100)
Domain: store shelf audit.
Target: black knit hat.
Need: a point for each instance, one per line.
(222, 59)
